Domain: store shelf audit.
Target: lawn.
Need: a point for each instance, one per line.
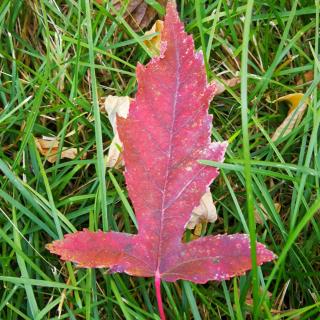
(59, 60)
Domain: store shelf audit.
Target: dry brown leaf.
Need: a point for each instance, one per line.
(249, 298)
(49, 146)
(221, 87)
(138, 13)
(206, 211)
(197, 231)
(257, 214)
(153, 43)
(306, 77)
(115, 106)
(294, 115)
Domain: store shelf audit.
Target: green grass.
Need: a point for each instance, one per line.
(58, 59)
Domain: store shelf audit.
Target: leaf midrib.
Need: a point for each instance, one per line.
(163, 208)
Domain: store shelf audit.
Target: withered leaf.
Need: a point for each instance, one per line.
(205, 212)
(221, 86)
(138, 13)
(294, 115)
(154, 43)
(49, 146)
(115, 106)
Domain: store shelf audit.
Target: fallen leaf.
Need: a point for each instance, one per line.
(249, 297)
(221, 85)
(273, 310)
(49, 146)
(115, 106)
(305, 78)
(205, 212)
(197, 231)
(153, 43)
(257, 214)
(138, 13)
(294, 115)
(164, 178)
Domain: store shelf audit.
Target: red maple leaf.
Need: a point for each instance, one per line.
(166, 133)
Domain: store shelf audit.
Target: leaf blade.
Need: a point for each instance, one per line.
(164, 177)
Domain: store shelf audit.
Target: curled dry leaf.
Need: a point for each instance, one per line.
(205, 212)
(138, 13)
(153, 43)
(294, 115)
(261, 216)
(249, 297)
(221, 86)
(115, 106)
(49, 147)
(305, 78)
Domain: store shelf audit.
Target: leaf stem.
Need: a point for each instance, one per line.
(157, 282)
